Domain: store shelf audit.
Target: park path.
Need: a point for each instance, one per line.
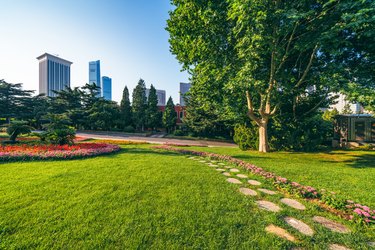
(154, 140)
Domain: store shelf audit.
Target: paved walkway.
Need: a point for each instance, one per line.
(155, 140)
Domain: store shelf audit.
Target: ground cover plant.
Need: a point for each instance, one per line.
(145, 198)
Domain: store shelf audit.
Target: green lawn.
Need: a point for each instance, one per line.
(144, 199)
(351, 174)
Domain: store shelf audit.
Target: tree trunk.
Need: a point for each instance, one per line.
(263, 137)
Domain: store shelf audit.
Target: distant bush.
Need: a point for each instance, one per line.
(129, 129)
(179, 132)
(245, 137)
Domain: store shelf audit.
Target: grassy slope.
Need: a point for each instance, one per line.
(348, 173)
(142, 199)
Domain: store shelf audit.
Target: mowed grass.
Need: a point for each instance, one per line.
(140, 198)
(350, 174)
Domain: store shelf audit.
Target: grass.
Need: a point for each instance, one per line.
(143, 199)
(350, 174)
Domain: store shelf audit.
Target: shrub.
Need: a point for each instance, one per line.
(16, 128)
(245, 137)
(179, 132)
(129, 129)
(58, 130)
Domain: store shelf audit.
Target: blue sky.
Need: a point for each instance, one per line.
(127, 36)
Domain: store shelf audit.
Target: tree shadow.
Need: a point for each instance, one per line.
(362, 161)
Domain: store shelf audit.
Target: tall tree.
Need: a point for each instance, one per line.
(125, 108)
(169, 116)
(153, 113)
(139, 105)
(272, 53)
(11, 99)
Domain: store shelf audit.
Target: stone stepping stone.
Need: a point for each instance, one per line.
(248, 191)
(280, 232)
(192, 158)
(267, 205)
(254, 182)
(202, 161)
(266, 191)
(213, 166)
(221, 164)
(243, 176)
(337, 247)
(293, 203)
(234, 181)
(220, 170)
(226, 174)
(234, 170)
(228, 167)
(332, 225)
(302, 227)
(371, 244)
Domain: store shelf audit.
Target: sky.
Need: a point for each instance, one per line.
(127, 36)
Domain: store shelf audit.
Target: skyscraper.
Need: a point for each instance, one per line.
(54, 74)
(160, 94)
(107, 88)
(94, 74)
(184, 88)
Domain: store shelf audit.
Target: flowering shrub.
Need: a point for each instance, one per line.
(42, 152)
(360, 212)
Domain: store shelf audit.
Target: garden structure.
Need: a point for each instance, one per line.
(353, 130)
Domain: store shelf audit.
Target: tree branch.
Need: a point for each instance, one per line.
(250, 108)
(308, 67)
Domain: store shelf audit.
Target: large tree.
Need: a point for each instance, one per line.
(125, 108)
(169, 116)
(267, 54)
(152, 112)
(139, 105)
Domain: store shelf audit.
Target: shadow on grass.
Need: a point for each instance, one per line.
(362, 161)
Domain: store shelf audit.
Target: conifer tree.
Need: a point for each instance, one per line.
(153, 114)
(139, 105)
(169, 116)
(125, 108)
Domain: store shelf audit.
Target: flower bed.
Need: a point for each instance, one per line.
(353, 211)
(43, 152)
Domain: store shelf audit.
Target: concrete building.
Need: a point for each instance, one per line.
(355, 108)
(94, 74)
(184, 88)
(106, 91)
(161, 96)
(54, 74)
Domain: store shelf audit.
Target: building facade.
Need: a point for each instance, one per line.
(184, 88)
(106, 91)
(94, 75)
(54, 74)
(160, 94)
(343, 104)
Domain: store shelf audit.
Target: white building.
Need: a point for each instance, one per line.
(161, 96)
(342, 102)
(184, 88)
(54, 74)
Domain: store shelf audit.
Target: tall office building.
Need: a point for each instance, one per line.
(160, 94)
(54, 74)
(184, 88)
(106, 88)
(94, 75)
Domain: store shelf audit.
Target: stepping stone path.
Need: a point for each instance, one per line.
(293, 203)
(299, 225)
(254, 182)
(221, 164)
(332, 225)
(227, 166)
(280, 232)
(337, 247)
(220, 169)
(248, 191)
(371, 244)
(243, 176)
(226, 174)
(234, 170)
(202, 161)
(234, 181)
(266, 191)
(269, 206)
(212, 165)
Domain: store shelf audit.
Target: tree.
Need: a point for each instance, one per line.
(104, 115)
(125, 108)
(139, 105)
(169, 116)
(347, 109)
(11, 97)
(58, 129)
(89, 96)
(152, 112)
(266, 53)
(16, 128)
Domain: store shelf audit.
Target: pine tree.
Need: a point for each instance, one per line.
(153, 116)
(139, 105)
(125, 108)
(169, 116)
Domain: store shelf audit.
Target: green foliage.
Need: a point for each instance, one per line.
(16, 128)
(139, 105)
(169, 116)
(58, 130)
(129, 129)
(329, 115)
(179, 132)
(153, 119)
(346, 110)
(126, 109)
(104, 115)
(333, 200)
(246, 137)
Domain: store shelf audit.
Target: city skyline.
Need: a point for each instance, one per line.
(131, 47)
